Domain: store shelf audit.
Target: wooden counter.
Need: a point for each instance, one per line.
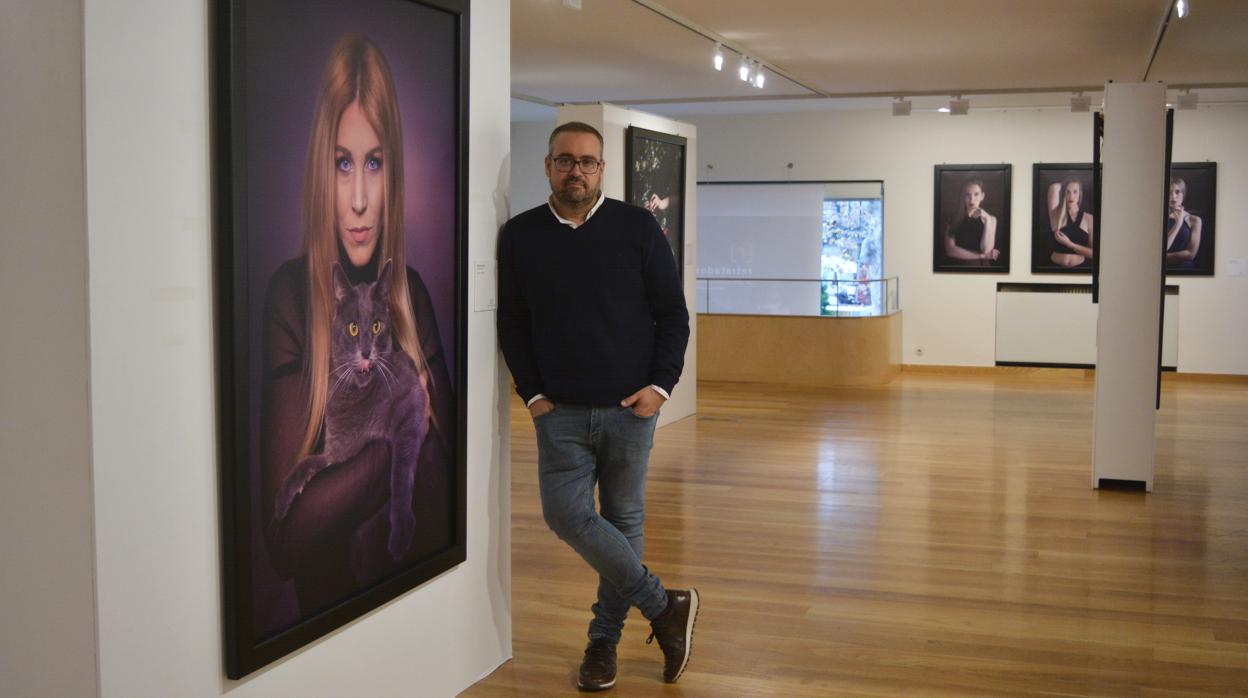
(810, 351)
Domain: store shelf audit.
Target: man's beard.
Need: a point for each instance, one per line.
(569, 197)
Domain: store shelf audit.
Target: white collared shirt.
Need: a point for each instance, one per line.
(573, 224)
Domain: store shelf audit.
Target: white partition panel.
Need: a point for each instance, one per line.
(1124, 422)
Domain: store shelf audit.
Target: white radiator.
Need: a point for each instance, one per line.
(1055, 325)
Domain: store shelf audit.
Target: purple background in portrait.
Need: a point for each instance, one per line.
(288, 42)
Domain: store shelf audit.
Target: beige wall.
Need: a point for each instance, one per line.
(47, 636)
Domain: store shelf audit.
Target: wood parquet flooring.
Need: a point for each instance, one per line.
(934, 537)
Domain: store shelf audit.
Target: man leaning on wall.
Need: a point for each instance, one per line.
(593, 324)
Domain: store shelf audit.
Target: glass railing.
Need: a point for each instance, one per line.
(816, 297)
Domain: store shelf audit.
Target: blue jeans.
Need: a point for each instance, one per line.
(578, 447)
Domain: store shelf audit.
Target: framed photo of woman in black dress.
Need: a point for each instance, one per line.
(656, 182)
(971, 226)
(1191, 208)
(340, 171)
(1063, 219)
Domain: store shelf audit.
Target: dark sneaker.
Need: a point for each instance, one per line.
(674, 631)
(598, 666)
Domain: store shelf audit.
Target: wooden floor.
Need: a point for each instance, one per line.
(934, 537)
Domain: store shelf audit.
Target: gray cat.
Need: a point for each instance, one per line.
(375, 394)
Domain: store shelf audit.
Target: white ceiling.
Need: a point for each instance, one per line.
(628, 52)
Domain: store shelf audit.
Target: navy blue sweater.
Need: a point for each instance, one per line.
(593, 314)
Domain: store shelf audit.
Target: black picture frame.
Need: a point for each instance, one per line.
(269, 84)
(656, 164)
(1201, 182)
(949, 181)
(1049, 255)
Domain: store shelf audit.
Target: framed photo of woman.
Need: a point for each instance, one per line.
(1191, 208)
(1063, 218)
(971, 223)
(340, 172)
(656, 182)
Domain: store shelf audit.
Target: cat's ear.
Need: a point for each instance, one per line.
(385, 278)
(342, 285)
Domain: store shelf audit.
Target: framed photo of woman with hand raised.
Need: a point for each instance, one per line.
(340, 170)
(971, 226)
(1191, 218)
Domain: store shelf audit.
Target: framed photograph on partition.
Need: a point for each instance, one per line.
(1191, 208)
(340, 173)
(656, 181)
(971, 222)
(1063, 218)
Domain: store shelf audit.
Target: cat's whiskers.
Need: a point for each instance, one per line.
(386, 372)
(338, 383)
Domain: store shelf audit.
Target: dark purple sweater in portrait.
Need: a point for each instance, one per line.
(592, 314)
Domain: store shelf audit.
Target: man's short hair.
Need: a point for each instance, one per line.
(573, 127)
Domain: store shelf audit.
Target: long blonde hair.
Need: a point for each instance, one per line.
(1064, 217)
(355, 72)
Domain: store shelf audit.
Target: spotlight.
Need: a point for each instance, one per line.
(718, 60)
(959, 106)
(1080, 102)
(901, 107)
(760, 78)
(1182, 8)
(744, 70)
(1188, 100)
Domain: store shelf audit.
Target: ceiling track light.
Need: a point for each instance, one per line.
(718, 59)
(744, 71)
(959, 106)
(901, 107)
(1182, 8)
(1079, 102)
(760, 78)
(1188, 99)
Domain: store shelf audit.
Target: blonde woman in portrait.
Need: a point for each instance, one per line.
(1182, 229)
(1072, 227)
(971, 237)
(329, 535)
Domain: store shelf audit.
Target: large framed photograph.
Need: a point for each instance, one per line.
(340, 172)
(1063, 218)
(971, 223)
(656, 182)
(1191, 208)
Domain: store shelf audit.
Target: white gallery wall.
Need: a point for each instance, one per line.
(951, 316)
(110, 457)
(47, 605)
(529, 186)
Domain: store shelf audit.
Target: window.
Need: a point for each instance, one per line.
(791, 248)
(852, 256)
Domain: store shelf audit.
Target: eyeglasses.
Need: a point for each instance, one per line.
(563, 163)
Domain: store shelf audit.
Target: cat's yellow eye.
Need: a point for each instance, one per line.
(376, 326)
(354, 329)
